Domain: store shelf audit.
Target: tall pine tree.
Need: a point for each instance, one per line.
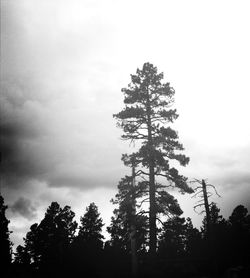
(146, 118)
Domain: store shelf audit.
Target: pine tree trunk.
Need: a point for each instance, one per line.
(133, 228)
(152, 210)
(152, 215)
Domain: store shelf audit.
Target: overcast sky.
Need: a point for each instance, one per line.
(63, 64)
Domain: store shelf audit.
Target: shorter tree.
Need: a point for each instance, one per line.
(5, 243)
(91, 226)
(215, 240)
(33, 245)
(119, 233)
(127, 213)
(240, 235)
(120, 229)
(179, 245)
(48, 243)
(88, 245)
(173, 238)
(193, 241)
(215, 219)
(22, 257)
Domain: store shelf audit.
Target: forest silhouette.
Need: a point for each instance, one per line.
(59, 247)
(148, 235)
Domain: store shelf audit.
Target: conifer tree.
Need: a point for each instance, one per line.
(22, 257)
(48, 242)
(145, 119)
(87, 247)
(240, 235)
(91, 225)
(5, 243)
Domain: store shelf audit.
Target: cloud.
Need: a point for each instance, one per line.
(25, 208)
(61, 86)
(56, 143)
(22, 131)
(62, 143)
(56, 112)
(234, 181)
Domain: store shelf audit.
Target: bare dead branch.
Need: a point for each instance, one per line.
(196, 206)
(195, 180)
(214, 189)
(196, 194)
(199, 201)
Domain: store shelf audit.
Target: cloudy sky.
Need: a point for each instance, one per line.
(63, 64)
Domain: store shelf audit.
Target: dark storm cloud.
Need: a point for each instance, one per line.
(46, 98)
(37, 144)
(31, 152)
(18, 135)
(24, 207)
(19, 124)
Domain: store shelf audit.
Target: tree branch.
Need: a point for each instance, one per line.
(144, 200)
(214, 189)
(142, 212)
(196, 193)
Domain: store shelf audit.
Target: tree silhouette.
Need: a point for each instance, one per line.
(216, 241)
(22, 257)
(117, 248)
(48, 243)
(172, 239)
(240, 235)
(214, 219)
(120, 228)
(91, 225)
(179, 247)
(88, 245)
(145, 116)
(202, 191)
(126, 215)
(119, 232)
(33, 245)
(5, 243)
(239, 216)
(193, 241)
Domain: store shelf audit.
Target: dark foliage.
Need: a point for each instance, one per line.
(87, 247)
(5, 243)
(46, 245)
(52, 249)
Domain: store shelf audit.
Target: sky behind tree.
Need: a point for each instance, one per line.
(63, 64)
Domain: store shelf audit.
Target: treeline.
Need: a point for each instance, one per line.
(59, 247)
